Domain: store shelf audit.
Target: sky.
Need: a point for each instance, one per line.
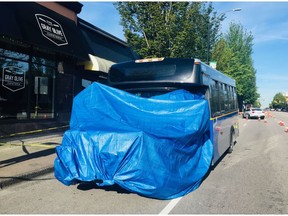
(266, 21)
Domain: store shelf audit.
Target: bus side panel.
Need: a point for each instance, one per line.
(215, 144)
(221, 129)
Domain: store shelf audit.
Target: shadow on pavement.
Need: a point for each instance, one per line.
(85, 186)
(19, 159)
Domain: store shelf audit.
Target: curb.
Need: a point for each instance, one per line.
(25, 177)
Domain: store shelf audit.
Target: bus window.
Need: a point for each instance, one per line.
(221, 98)
(214, 98)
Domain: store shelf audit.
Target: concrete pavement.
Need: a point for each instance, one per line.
(24, 158)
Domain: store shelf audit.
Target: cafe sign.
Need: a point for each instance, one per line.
(13, 78)
(51, 30)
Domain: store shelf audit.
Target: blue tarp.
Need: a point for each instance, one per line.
(157, 147)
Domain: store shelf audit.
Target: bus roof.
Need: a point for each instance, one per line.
(164, 70)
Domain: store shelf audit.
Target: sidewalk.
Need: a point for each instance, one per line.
(24, 158)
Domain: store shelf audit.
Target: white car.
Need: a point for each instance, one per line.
(254, 113)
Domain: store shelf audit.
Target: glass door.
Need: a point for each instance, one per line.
(42, 93)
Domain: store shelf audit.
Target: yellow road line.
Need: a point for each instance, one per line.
(30, 144)
(34, 131)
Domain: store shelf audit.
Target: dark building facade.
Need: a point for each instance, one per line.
(47, 56)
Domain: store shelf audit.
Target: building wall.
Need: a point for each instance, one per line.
(60, 9)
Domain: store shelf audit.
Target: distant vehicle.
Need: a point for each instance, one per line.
(254, 113)
(272, 109)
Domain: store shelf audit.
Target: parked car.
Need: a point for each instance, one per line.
(254, 113)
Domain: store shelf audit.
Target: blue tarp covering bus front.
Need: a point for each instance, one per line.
(157, 147)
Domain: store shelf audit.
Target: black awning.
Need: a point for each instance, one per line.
(8, 24)
(104, 45)
(44, 28)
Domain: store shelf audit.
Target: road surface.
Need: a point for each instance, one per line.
(251, 180)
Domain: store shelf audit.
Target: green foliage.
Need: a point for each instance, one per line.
(257, 103)
(279, 101)
(233, 53)
(170, 29)
(190, 30)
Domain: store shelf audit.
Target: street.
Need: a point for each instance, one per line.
(251, 180)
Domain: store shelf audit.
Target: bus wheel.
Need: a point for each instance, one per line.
(232, 142)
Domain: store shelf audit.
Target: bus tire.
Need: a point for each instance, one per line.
(232, 142)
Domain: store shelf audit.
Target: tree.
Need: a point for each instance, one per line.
(233, 53)
(170, 29)
(279, 101)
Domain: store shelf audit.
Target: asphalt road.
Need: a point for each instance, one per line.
(251, 180)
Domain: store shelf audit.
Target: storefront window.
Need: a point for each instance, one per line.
(13, 89)
(27, 87)
(13, 55)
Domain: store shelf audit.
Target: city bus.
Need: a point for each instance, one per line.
(156, 76)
